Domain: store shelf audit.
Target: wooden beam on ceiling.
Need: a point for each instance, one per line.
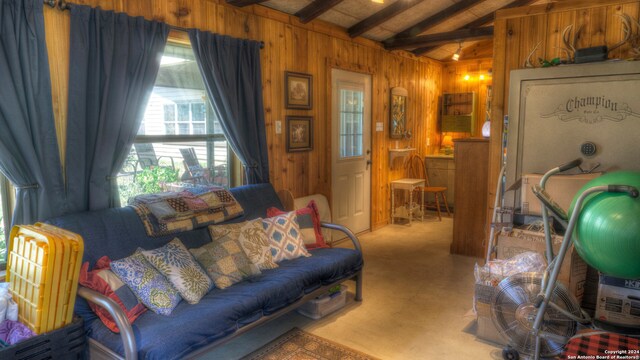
(242, 3)
(480, 50)
(483, 20)
(315, 9)
(434, 20)
(440, 38)
(381, 17)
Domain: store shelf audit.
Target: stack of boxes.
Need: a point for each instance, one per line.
(616, 301)
(573, 273)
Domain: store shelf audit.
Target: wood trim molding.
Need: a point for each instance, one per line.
(241, 3)
(333, 63)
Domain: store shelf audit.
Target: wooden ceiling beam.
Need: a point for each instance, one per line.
(440, 38)
(434, 20)
(381, 17)
(242, 3)
(315, 9)
(483, 20)
(480, 50)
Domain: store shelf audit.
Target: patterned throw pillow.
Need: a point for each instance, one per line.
(104, 281)
(177, 264)
(252, 239)
(225, 262)
(147, 283)
(284, 237)
(309, 222)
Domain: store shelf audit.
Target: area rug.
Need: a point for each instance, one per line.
(300, 345)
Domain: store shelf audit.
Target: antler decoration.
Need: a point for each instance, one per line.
(630, 37)
(528, 63)
(627, 29)
(569, 43)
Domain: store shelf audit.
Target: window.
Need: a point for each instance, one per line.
(185, 119)
(351, 117)
(180, 139)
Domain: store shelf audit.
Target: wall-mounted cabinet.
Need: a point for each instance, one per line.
(459, 112)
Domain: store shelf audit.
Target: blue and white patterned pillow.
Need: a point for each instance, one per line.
(285, 238)
(177, 264)
(151, 287)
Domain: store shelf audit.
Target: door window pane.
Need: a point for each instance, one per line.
(351, 117)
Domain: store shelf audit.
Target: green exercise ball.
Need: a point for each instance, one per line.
(607, 234)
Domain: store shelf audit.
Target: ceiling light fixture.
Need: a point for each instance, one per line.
(456, 55)
(378, 1)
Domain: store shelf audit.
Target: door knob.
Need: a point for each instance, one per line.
(368, 163)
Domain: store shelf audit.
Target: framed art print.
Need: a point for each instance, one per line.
(299, 133)
(298, 90)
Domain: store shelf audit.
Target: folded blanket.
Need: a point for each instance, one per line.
(166, 213)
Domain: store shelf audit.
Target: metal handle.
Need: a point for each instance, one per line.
(629, 190)
(570, 165)
(368, 163)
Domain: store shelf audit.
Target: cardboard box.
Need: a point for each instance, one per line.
(573, 272)
(618, 301)
(486, 330)
(561, 188)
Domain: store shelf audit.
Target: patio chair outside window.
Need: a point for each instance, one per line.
(147, 156)
(193, 171)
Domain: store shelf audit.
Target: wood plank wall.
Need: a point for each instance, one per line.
(312, 48)
(453, 82)
(518, 30)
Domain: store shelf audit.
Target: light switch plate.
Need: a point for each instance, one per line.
(278, 127)
(379, 126)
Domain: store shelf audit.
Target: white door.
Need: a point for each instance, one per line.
(351, 149)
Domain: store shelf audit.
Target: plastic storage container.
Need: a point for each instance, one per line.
(66, 343)
(324, 304)
(42, 270)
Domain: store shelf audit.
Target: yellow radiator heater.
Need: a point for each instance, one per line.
(42, 270)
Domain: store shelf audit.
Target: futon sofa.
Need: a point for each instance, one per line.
(191, 330)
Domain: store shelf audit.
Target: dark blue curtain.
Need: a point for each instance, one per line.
(114, 62)
(29, 155)
(231, 72)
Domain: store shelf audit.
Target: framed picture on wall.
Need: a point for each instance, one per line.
(299, 133)
(298, 89)
(398, 115)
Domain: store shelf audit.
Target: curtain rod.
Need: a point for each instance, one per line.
(63, 5)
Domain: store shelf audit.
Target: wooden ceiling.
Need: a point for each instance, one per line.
(432, 28)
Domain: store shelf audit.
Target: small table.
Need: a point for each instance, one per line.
(408, 185)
